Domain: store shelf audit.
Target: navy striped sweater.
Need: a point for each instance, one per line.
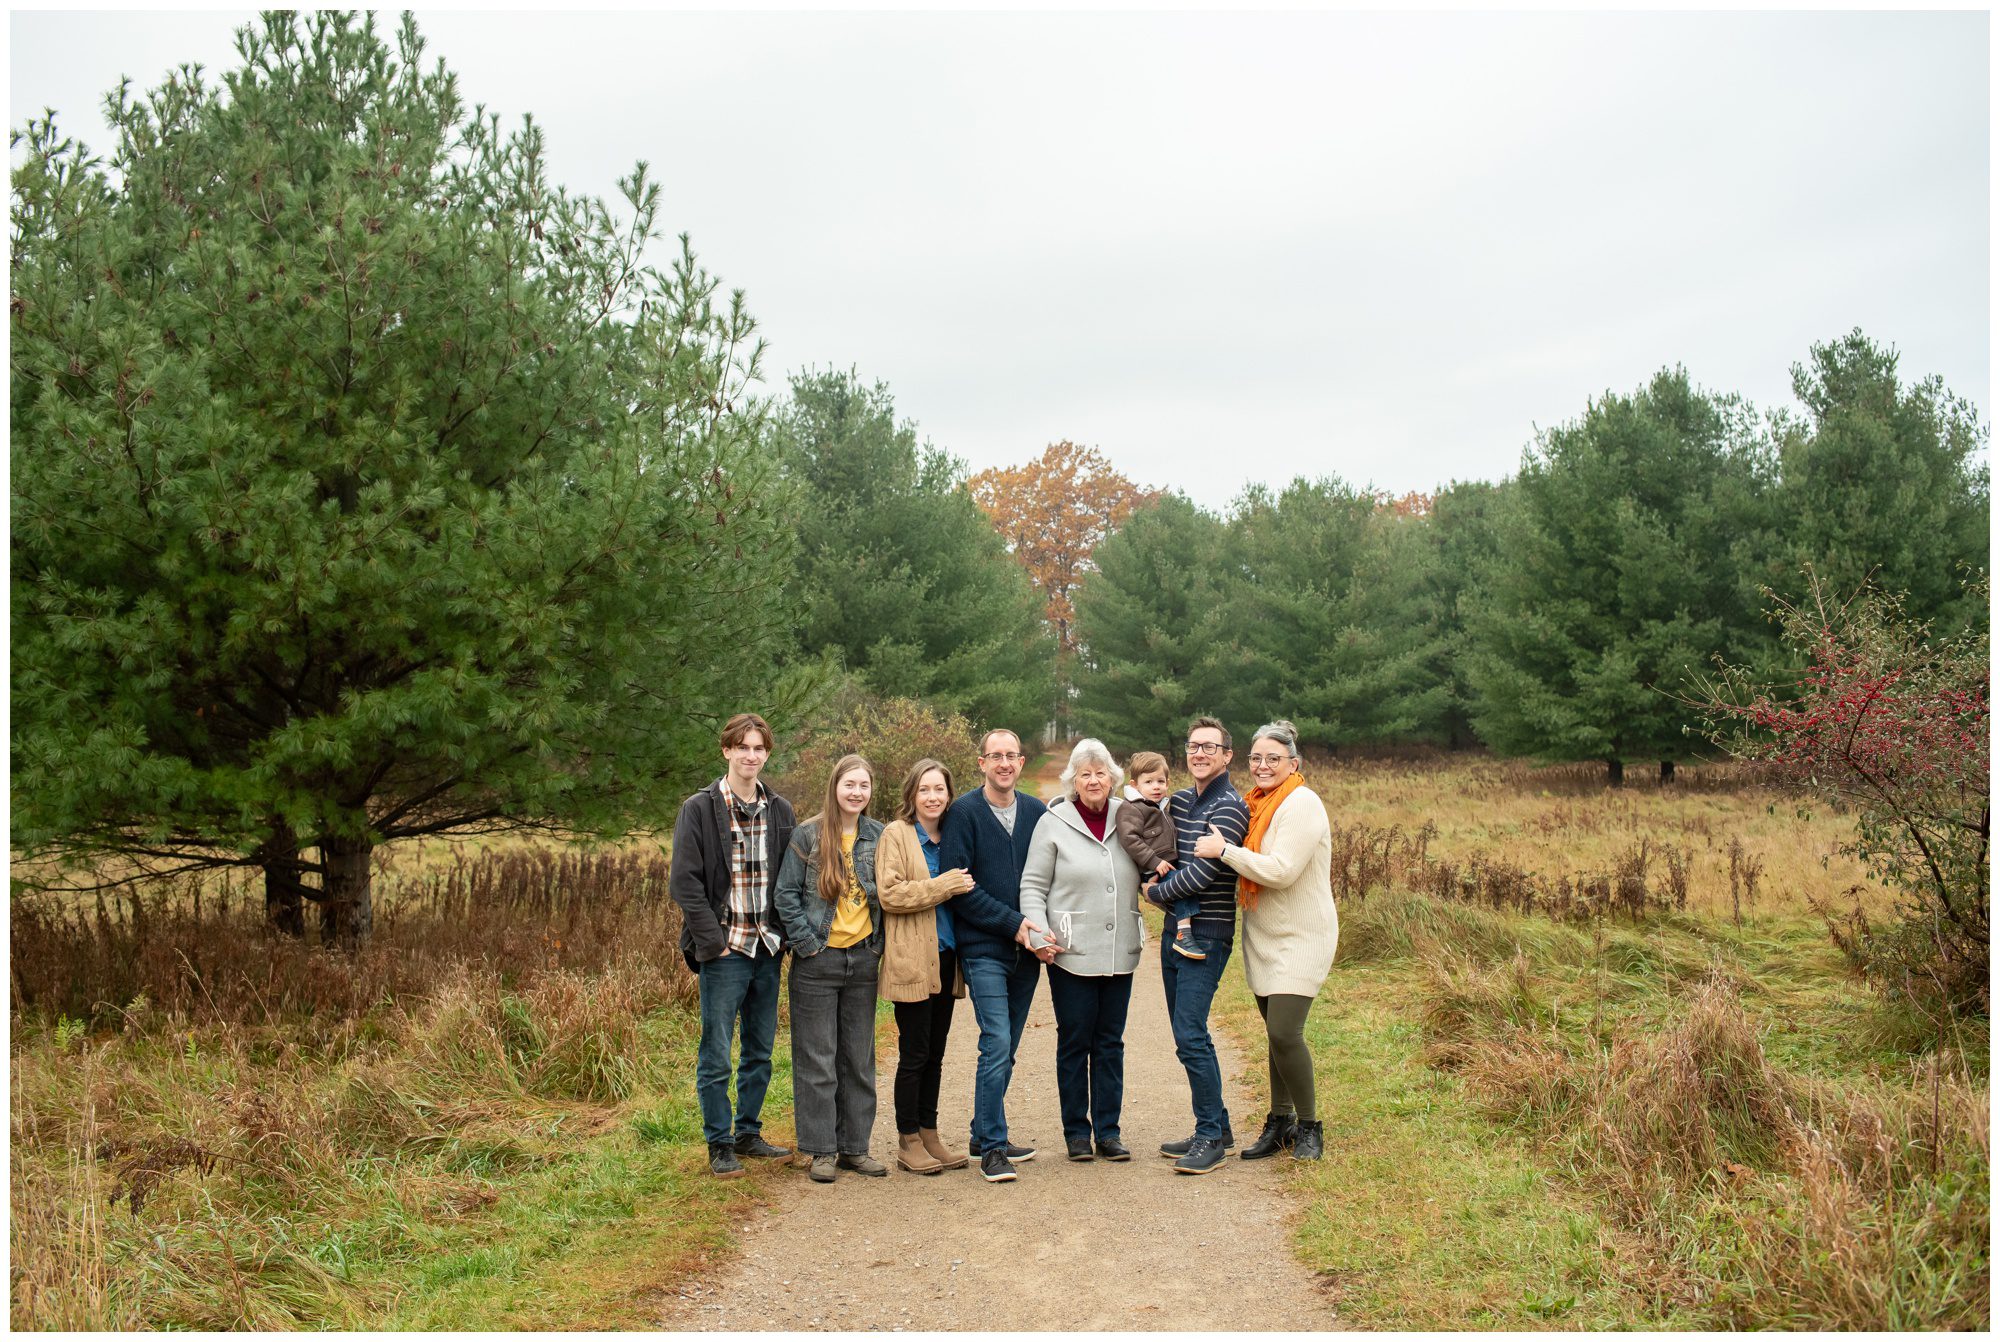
(1209, 880)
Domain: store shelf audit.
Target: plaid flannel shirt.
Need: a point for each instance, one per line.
(750, 865)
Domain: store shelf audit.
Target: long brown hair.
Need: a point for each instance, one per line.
(906, 810)
(833, 873)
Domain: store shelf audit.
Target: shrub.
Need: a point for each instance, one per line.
(1893, 722)
(893, 734)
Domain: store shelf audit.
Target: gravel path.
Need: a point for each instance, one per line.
(1066, 1247)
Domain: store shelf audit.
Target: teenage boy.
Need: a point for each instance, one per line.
(1191, 983)
(986, 832)
(729, 841)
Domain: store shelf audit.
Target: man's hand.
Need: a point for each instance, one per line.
(1210, 844)
(1024, 933)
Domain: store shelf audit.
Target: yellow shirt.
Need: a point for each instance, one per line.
(852, 922)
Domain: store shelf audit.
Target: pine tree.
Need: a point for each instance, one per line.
(899, 571)
(1883, 483)
(366, 483)
(1620, 559)
(1150, 623)
(1338, 618)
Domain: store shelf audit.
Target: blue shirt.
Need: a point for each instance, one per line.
(934, 859)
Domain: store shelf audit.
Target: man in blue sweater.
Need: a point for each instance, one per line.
(986, 831)
(1191, 984)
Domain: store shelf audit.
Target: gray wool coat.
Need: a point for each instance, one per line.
(1085, 890)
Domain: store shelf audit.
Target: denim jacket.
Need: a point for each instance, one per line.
(805, 916)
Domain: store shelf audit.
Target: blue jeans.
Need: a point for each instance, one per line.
(1090, 1050)
(1000, 991)
(1191, 986)
(1185, 908)
(736, 988)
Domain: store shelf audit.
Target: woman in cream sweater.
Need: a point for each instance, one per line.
(1290, 927)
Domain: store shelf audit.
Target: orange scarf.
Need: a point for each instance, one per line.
(1263, 804)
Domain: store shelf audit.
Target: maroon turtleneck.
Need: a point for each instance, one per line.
(1094, 820)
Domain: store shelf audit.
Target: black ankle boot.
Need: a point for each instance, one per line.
(1310, 1141)
(1279, 1132)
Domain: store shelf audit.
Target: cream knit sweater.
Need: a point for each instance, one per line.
(1289, 938)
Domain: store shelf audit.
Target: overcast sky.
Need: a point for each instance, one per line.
(1232, 248)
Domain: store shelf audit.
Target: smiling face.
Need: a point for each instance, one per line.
(1092, 784)
(746, 761)
(1206, 755)
(1000, 761)
(852, 790)
(933, 795)
(1271, 762)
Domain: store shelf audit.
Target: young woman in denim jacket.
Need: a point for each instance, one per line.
(833, 925)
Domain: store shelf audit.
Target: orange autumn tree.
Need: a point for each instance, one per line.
(1053, 512)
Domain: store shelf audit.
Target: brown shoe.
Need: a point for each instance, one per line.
(946, 1158)
(911, 1156)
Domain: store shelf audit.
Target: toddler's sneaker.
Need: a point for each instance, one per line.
(1188, 944)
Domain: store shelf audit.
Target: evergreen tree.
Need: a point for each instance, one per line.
(1338, 617)
(899, 571)
(1883, 482)
(366, 483)
(1619, 570)
(1461, 528)
(1150, 624)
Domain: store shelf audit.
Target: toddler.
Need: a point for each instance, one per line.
(1146, 829)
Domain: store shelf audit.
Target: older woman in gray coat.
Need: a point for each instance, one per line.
(1080, 884)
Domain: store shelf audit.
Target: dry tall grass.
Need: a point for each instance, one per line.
(1782, 1200)
(202, 1111)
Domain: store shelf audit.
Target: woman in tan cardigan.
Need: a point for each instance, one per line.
(919, 966)
(1290, 927)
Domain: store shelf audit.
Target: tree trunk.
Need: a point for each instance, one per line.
(1615, 772)
(347, 915)
(284, 908)
(1666, 772)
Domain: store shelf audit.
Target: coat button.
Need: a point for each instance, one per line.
(1107, 927)
(1111, 889)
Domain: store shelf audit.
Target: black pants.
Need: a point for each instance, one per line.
(921, 1031)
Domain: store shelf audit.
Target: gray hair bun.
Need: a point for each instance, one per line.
(1281, 731)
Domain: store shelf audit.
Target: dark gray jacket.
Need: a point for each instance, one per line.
(805, 916)
(698, 876)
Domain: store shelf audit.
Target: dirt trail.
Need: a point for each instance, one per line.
(1097, 1246)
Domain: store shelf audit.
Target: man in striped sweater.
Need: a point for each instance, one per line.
(1191, 983)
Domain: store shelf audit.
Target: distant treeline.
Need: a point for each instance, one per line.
(1557, 614)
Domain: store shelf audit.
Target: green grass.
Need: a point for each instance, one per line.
(1483, 1199)
(1424, 1214)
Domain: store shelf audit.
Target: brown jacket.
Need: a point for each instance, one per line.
(910, 896)
(1146, 834)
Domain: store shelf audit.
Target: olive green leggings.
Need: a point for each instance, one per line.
(1291, 1065)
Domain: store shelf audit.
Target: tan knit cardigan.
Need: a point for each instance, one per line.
(1290, 935)
(910, 896)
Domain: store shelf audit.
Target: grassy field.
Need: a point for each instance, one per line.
(1659, 1120)
(1574, 1074)
(486, 1120)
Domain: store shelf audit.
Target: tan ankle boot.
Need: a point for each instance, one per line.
(946, 1158)
(911, 1155)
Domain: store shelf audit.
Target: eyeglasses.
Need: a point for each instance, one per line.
(1004, 757)
(1273, 760)
(1205, 747)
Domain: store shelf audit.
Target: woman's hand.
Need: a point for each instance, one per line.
(1211, 844)
(958, 880)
